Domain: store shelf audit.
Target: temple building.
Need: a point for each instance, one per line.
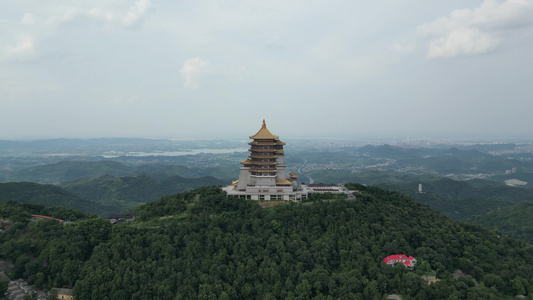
(408, 261)
(263, 175)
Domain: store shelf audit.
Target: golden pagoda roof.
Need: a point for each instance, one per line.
(234, 183)
(271, 150)
(260, 170)
(266, 143)
(262, 156)
(263, 163)
(264, 134)
(283, 182)
(246, 162)
(262, 143)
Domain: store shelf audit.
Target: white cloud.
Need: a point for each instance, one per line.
(23, 50)
(193, 70)
(463, 41)
(51, 19)
(28, 19)
(68, 14)
(403, 49)
(136, 12)
(107, 15)
(475, 31)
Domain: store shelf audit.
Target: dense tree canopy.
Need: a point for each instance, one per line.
(203, 245)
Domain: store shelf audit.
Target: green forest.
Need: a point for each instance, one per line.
(201, 244)
(516, 220)
(48, 195)
(126, 192)
(484, 202)
(105, 195)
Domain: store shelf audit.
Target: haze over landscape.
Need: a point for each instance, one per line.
(209, 69)
(156, 149)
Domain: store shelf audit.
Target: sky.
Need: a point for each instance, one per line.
(312, 69)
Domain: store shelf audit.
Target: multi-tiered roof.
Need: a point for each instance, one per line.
(264, 150)
(263, 175)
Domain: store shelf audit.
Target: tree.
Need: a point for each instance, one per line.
(52, 295)
(3, 287)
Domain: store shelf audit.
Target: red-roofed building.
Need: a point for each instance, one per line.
(408, 261)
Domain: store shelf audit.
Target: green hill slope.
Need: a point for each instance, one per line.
(49, 195)
(484, 202)
(515, 220)
(19, 211)
(125, 192)
(203, 245)
(222, 247)
(129, 191)
(462, 199)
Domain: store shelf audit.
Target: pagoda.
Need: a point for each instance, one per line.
(263, 175)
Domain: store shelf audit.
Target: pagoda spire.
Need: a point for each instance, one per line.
(264, 133)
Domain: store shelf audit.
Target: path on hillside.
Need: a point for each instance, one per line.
(301, 172)
(346, 191)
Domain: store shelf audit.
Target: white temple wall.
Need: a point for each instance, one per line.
(244, 178)
(264, 180)
(282, 173)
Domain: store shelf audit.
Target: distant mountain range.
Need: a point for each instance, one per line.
(68, 170)
(63, 171)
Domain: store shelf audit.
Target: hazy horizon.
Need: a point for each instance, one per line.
(381, 139)
(212, 70)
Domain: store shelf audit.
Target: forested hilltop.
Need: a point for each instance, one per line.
(202, 245)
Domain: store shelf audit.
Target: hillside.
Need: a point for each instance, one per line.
(68, 170)
(203, 245)
(106, 195)
(129, 191)
(484, 202)
(461, 199)
(19, 212)
(515, 220)
(50, 195)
